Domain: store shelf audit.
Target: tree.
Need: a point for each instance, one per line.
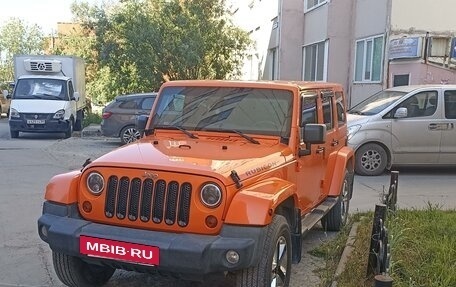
(16, 37)
(139, 44)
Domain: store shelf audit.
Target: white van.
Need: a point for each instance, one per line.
(406, 125)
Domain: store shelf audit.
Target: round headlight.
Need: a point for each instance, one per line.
(95, 183)
(211, 195)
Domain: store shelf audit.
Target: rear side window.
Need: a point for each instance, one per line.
(341, 119)
(129, 104)
(450, 104)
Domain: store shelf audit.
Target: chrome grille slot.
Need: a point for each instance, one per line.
(150, 201)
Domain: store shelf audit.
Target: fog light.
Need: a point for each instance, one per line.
(232, 257)
(211, 221)
(87, 206)
(44, 231)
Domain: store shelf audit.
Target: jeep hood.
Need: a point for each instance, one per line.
(211, 158)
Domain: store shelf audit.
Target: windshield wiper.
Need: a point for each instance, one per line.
(191, 135)
(250, 139)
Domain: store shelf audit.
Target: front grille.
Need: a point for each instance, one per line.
(149, 201)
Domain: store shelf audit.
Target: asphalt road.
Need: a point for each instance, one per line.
(27, 164)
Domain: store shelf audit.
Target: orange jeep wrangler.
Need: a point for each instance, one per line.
(227, 178)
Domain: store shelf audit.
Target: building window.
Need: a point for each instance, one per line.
(368, 59)
(314, 65)
(401, 80)
(309, 4)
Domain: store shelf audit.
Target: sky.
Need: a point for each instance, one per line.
(44, 13)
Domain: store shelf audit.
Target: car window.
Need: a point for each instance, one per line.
(327, 109)
(450, 104)
(309, 109)
(129, 104)
(147, 103)
(341, 119)
(420, 104)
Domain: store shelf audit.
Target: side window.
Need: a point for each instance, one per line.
(450, 104)
(70, 89)
(420, 105)
(341, 119)
(147, 103)
(309, 109)
(328, 109)
(128, 104)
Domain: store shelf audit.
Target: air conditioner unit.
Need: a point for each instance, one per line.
(43, 66)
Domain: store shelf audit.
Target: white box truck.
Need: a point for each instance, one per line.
(49, 94)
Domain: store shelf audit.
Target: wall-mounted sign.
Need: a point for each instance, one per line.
(407, 47)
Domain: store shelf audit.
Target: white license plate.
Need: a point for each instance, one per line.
(36, 122)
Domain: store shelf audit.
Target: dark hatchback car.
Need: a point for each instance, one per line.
(119, 116)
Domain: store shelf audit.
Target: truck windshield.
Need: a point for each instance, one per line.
(37, 88)
(376, 103)
(244, 110)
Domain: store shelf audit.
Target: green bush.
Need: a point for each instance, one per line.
(91, 118)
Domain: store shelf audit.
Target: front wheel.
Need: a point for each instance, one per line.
(69, 131)
(337, 217)
(14, 134)
(74, 272)
(274, 267)
(129, 134)
(371, 159)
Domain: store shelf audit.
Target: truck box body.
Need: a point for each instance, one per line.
(49, 94)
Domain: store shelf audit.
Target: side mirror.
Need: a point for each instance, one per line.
(140, 123)
(400, 113)
(75, 96)
(312, 134)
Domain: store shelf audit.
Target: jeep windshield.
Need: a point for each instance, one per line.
(376, 103)
(43, 89)
(226, 109)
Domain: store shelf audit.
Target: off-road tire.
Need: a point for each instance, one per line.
(74, 272)
(129, 134)
(14, 134)
(337, 217)
(371, 159)
(276, 246)
(69, 131)
(79, 120)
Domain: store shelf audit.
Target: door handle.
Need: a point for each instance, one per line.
(440, 126)
(433, 126)
(320, 150)
(334, 142)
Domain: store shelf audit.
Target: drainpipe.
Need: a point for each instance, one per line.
(426, 48)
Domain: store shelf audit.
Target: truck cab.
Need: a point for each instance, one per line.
(228, 178)
(47, 95)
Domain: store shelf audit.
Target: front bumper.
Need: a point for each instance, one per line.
(180, 253)
(21, 125)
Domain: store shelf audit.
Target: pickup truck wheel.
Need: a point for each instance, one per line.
(74, 272)
(337, 217)
(69, 131)
(371, 159)
(274, 267)
(129, 134)
(14, 134)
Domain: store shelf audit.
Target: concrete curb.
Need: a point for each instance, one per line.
(346, 253)
(91, 131)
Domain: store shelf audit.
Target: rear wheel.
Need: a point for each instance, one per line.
(129, 134)
(79, 120)
(337, 217)
(274, 267)
(74, 272)
(371, 159)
